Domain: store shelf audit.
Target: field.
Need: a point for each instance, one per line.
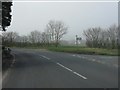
(77, 50)
(85, 50)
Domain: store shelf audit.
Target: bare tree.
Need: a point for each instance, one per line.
(56, 30)
(4, 37)
(118, 36)
(113, 35)
(50, 30)
(105, 38)
(22, 39)
(9, 37)
(45, 38)
(35, 37)
(92, 36)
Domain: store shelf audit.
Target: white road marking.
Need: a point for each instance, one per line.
(7, 71)
(5, 75)
(2, 78)
(93, 60)
(99, 61)
(45, 57)
(80, 75)
(73, 55)
(79, 56)
(72, 71)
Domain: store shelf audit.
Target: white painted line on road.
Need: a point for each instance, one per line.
(64, 67)
(72, 71)
(73, 55)
(99, 61)
(93, 60)
(45, 57)
(79, 75)
(8, 70)
(79, 56)
(5, 75)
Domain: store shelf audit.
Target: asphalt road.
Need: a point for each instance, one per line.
(45, 69)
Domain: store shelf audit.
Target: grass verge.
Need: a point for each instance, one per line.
(85, 50)
(78, 50)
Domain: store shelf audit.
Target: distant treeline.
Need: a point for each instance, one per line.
(52, 35)
(95, 37)
(103, 38)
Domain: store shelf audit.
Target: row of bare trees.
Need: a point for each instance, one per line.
(51, 36)
(55, 30)
(103, 38)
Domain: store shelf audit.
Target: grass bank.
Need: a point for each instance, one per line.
(78, 50)
(85, 50)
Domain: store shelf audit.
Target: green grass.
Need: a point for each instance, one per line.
(78, 50)
(84, 50)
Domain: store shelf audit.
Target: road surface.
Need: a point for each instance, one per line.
(46, 69)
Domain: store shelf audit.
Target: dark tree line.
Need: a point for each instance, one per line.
(103, 38)
(52, 35)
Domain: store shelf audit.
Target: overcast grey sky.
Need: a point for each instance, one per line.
(29, 16)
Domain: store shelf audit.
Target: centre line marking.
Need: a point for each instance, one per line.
(45, 57)
(72, 71)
